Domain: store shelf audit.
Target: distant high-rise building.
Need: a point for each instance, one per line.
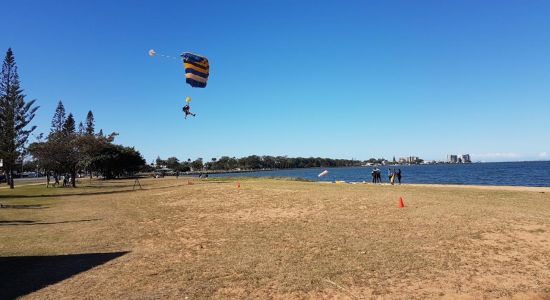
(409, 160)
(452, 158)
(459, 159)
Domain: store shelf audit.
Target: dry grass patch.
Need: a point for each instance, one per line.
(287, 239)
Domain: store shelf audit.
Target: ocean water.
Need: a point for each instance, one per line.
(535, 173)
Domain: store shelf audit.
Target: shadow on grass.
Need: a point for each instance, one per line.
(22, 275)
(86, 194)
(28, 222)
(24, 206)
(62, 195)
(106, 185)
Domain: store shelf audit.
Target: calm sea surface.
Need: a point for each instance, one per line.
(506, 173)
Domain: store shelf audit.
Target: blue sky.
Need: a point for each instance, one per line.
(341, 79)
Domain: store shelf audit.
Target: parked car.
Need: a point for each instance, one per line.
(29, 174)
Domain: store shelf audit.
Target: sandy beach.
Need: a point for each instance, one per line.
(488, 187)
(193, 239)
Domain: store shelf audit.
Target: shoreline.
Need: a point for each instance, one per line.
(450, 185)
(543, 189)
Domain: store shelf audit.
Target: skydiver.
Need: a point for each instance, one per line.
(186, 111)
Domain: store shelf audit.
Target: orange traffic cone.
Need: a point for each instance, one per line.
(401, 204)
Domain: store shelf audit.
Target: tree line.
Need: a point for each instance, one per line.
(253, 162)
(72, 151)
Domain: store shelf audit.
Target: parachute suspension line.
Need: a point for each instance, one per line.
(168, 56)
(153, 53)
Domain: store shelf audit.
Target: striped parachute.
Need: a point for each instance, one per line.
(197, 69)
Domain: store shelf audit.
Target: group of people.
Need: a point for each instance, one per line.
(67, 179)
(393, 174)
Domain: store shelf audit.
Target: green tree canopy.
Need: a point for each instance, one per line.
(15, 115)
(90, 123)
(59, 118)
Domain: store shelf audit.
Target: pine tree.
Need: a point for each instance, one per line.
(69, 126)
(81, 128)
(15, 116)
(59, 118)
(90, 123)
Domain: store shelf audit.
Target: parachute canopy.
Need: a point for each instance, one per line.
(152, 52)
(197, 69)
(187, 100)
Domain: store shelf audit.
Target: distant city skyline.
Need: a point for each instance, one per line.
(361, 80)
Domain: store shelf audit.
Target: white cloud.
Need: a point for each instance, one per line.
(544, 154)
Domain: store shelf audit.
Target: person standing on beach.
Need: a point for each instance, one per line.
(377, 176)
(48, 179)
(390, 174)
(373, 174)
(398, 173)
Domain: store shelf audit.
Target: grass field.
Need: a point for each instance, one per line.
(273, 239)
